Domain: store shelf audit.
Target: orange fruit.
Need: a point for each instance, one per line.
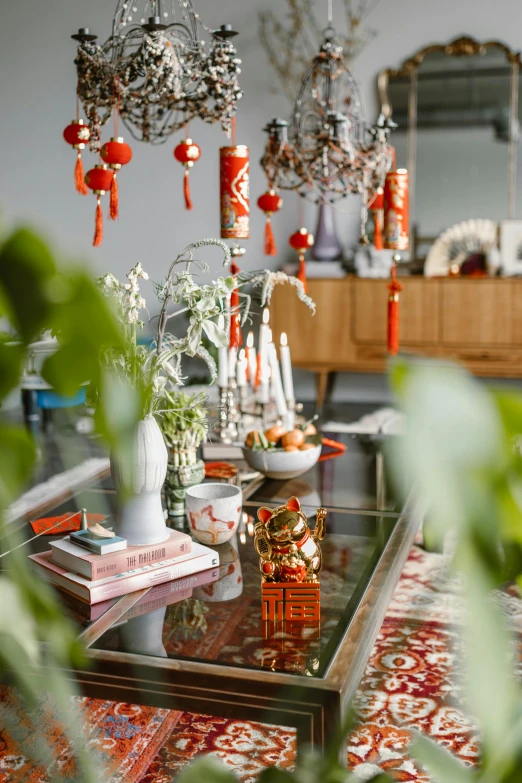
(291, 448)
(275, 433)
(310, 430)
(306, 447)
(252, 439)
(293, 438)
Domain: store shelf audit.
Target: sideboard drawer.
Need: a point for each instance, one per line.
(419, 311)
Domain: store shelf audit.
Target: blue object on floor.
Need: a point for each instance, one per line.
(48, 399)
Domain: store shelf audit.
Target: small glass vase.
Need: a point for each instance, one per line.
(184, 470)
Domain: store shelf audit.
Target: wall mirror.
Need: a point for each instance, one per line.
(457, 110)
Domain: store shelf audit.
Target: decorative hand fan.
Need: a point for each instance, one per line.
(468, 248)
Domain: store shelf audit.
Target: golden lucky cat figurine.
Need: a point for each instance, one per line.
(288, 550)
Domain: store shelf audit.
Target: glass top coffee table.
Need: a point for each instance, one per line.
(206, 649)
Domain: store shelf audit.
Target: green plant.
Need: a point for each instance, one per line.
(184, 424)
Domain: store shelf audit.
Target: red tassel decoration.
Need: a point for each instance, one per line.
(114, 202)
(79, 176)
(236, 338)
(257, 379)
(377, 233)
(98, 230)
(301, 275)
(270, 245)
(394, 287)
(186, 190)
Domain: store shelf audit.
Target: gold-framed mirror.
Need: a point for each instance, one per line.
(456, 106)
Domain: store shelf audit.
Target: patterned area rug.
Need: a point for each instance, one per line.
(411, 681)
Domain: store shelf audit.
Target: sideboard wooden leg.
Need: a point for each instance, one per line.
(321, 384)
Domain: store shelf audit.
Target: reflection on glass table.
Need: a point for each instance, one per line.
(220, 621)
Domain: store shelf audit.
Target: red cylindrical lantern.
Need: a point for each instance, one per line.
(187, 153)
(99, 180)
(394, 288)
(376, 207)
(77, 134)
(116, 153)
(269, 202)
(234, 185)
(396, 210)
(300, 241)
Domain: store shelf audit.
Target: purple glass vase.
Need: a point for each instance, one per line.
(326, 246)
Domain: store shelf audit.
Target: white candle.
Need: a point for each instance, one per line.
(251, 357)
(286, 367)
(277, 385)
(264, 331)
(222, 359)
(264, 386)
(242, 369)
(232, 362)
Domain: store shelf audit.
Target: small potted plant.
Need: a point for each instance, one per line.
(184, 425)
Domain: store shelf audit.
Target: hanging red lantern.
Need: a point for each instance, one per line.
(234, 196)
(394, 287)
(187, 153)
(99, 180)
(269, 202)
(376, 207)
(116, 153)
(300, 241)
(77, 134)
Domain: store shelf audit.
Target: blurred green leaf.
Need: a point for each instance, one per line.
(206, 770)
(17, 453)
(274, 775)
(26, 268)
(11, 361)
(16, 621)
(442, 766)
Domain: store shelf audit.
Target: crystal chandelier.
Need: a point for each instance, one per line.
(156, 72)
(328, 150)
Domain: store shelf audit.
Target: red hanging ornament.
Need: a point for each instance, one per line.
(394, 287)
(116, 153)
(99, 180)
(376, 207)
(396, 229)
(234, 192)
(236, 338)
(77, 134)
(269, 202)
(300, 241)
(187, 153)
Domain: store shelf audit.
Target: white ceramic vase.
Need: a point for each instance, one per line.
(138, 476)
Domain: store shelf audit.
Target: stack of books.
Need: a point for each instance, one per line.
(94, 578)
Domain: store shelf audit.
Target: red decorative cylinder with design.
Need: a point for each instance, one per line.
(77, 134)
(99, 179)
(116, 153)
(396, 210)
(234, 192)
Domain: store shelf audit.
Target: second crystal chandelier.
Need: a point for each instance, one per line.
(328, 150)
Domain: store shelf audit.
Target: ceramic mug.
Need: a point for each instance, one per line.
(213, 511)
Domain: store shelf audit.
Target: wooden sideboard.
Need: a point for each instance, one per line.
(477, 322)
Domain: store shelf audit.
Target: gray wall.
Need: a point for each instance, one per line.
(37, 92)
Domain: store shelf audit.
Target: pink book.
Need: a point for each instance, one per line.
(79, 560)
(200, 559)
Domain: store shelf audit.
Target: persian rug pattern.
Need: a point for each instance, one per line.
(411, 682)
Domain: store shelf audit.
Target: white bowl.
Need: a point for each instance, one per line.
(280, 464)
